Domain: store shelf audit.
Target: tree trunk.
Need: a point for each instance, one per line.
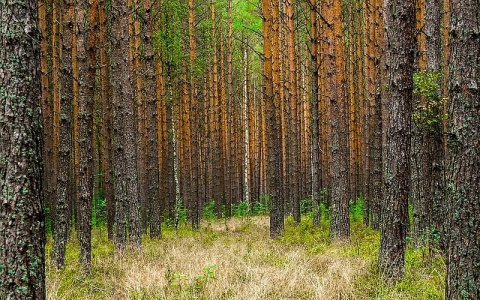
(334, 68)
(64, 181)
(86, 18)
(400, 34)
(124, 128)
(315, 142)
(22, 230)
(274, 165)
(463, 158)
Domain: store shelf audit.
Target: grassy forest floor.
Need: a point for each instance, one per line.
(244, 263)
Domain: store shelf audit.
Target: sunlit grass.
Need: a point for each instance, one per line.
(243, 263)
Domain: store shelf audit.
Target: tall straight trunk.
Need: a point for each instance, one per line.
(218, 184)
(106, 119)
(64, 181)
(315, 141)
(152, 175)
(196, 120)
(140, 115)
(293, 102)
(400, 40)
(48, 180)
(124, 125)
(274, 166)
(373, 165)
(186, 139)
(22, 238)
(334, 68)
(463, 157)
(55, 100)
(131, 152)
(86, 17)
(376, 158)
(227, 166)
(245, 129)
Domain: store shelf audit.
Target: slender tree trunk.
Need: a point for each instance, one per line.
(315, 142)
(292, 98)
(22, 237)
(152, 122)
(46, 104)
(106, 119)
(64, 181)
(274, 165)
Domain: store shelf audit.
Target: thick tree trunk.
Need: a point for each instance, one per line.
(400, 40)
(85, 20)
(22, 230)
(334, 68)
(124, 129)
(463, 158)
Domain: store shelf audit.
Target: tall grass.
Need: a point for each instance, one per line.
(240, 261)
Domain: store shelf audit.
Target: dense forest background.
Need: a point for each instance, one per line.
(166, 112)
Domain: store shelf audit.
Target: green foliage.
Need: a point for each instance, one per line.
(241, 209)
(259, 208)
(168, 40)
(246, 16)
(181, 284)
(356, 210)
(427, 84)
(209, 210)
(180, 216)
(308, 207)
(99, 210)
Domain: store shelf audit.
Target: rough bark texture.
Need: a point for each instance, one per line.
(22, 232)
(315, 143)
(64, 181)
(463, 158)
(373, 178)
(292, 100)
(106, 132)
(124, 129)
(152, 120)
(86, 82)
(274, 174)
(334, 68)
(399, 18)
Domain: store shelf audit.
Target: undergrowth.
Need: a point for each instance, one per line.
(240, 261)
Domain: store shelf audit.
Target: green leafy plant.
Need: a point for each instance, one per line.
(209, 210)
(259, 209)
(428, 112)
(241, 209)
(190, 287)
(356, 209)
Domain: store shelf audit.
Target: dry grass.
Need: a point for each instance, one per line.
(213, 263)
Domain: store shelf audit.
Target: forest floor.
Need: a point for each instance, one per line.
(238, 260)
